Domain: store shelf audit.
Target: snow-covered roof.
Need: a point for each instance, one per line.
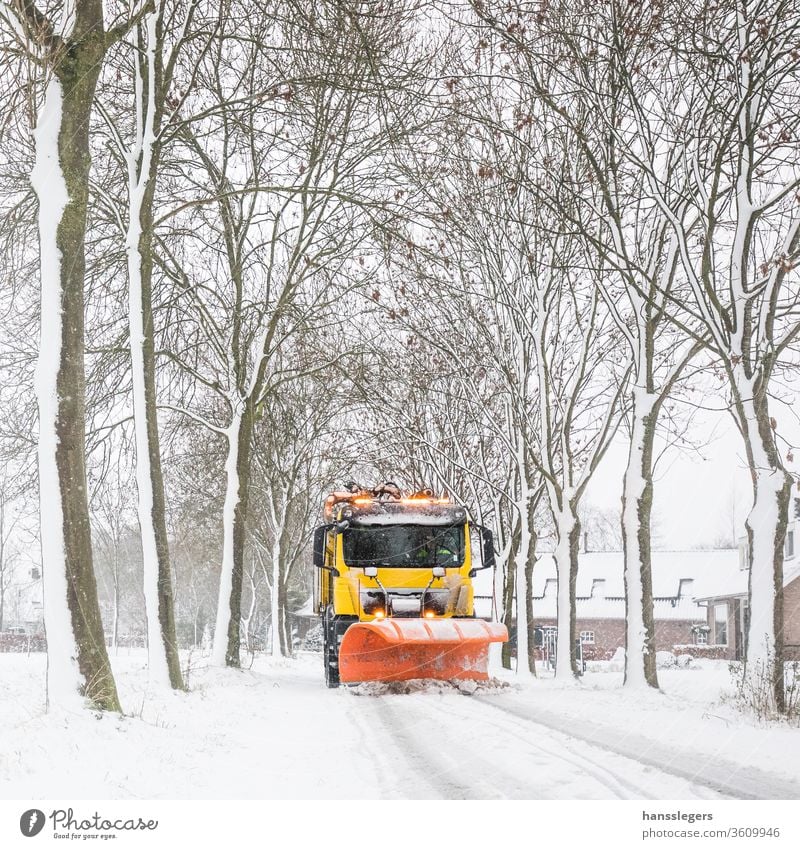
(679, 578)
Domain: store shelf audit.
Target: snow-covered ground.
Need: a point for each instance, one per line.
(275, 732)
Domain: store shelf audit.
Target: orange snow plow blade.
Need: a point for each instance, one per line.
(402, 649)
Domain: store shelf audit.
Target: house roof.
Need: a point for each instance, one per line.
(791, 572)
(680, 579)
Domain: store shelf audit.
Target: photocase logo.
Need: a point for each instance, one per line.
(66, 824)
(31, 822)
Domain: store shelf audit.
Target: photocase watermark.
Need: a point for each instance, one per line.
(67, 826)
(32, 822)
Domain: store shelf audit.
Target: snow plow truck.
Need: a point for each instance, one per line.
(394, 588)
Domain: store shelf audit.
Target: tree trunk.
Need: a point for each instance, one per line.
(525, 559)
(509, 591)
(229, 605)
(163, 658)
(637, 503)
(76, 643)
(766, 532)
(275, 596)
(115, 634)
(531, 631)
(521, 584)
(287, 647)
(279, 620)
(568, 534)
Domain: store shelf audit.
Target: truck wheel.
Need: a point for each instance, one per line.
(331, 673)
(331, 656)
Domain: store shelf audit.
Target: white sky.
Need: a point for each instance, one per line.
(697, 494)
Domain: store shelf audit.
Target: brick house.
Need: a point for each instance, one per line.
(680, 578)
(726, 604)
(699, 601)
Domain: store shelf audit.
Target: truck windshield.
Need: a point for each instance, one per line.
(410, 546)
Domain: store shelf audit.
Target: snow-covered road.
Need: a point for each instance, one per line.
(716, 777)
(461, 748)
(275, 732)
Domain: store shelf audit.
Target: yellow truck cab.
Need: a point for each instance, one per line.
(394, 573)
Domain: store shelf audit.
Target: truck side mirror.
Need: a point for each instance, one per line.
(319, 547)
(487, 549)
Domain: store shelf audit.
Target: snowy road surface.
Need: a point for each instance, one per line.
(460, 748)
(729, 778)
(275, 732)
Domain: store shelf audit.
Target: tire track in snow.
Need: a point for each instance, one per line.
(621, 788)
(720, 776)
(377, 738)
(435, 774)
(447, 751)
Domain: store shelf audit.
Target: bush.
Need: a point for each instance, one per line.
(665, 659)
(755, 694)
(314, 638)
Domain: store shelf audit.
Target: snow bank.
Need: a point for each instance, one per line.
(427, 686)
(693, 716)
(247, 734)
(275, 732)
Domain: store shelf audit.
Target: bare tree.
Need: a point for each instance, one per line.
(713, 135)
(150, 64)
(293, 194)
(535, 300)
(69, 49)
(9, 556)
(293, 472)
(571, 68)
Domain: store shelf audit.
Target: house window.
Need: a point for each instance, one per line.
(788, 547)
(700, 635)
(587, 637)
(721, 624)
(744, 554)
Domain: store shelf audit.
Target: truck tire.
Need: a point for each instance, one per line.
(331, 657)
(333, 629)
(331, 671)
